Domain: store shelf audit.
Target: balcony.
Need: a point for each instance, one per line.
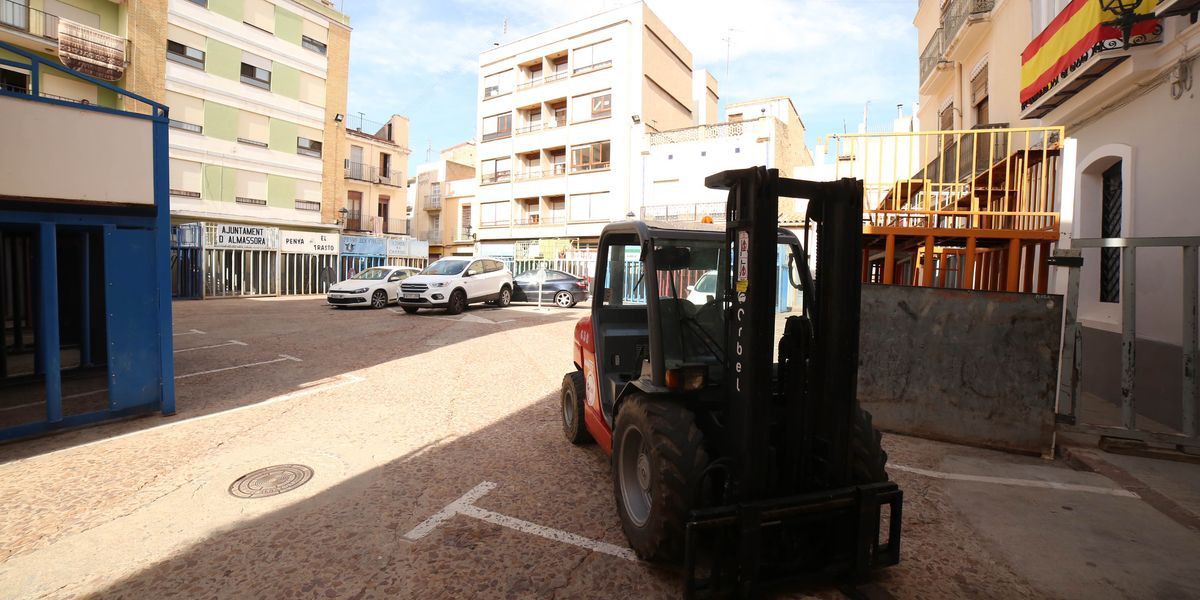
(705, 132)
(370, 174)
(692, 213)
(85, 49)
(434, 237)
(956, 18)
(529, 175)
(358, 222)
(433, 202)
(500, 177)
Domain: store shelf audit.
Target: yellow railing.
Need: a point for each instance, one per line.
(990, 179)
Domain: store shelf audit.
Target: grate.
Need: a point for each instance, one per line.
(270, 481)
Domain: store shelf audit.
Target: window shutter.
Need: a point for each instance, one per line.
(185, 175)
(260, 14)
(979, 89)
(314, 31)
(254, 127)
(312, 89)
(187, 109)
(309, 191)
(251, 185)
(256, 60)
(186, 37)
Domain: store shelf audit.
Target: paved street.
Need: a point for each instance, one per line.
(400, 417)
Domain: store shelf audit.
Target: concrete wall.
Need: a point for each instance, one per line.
(666, 63)
(109, 158)
(977, 368)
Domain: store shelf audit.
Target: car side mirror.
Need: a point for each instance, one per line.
(691, 288)
(394, 278)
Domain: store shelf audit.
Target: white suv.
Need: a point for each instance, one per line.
(453, 283)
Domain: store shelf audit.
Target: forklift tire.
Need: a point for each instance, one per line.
(658, 459)
(573, 397)
(868, 455)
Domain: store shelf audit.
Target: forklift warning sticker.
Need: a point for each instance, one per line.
(743, 263)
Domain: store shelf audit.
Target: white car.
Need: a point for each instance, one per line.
(704, 289)
(453, 283)
(376, 287)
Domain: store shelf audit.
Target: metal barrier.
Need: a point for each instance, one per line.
(1071, 369)
(187, 266)
(302, 274)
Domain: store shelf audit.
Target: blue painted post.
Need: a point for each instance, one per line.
(85, 296)
(47, 320)
(163, 262)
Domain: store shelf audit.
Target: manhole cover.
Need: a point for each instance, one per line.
(270, 481)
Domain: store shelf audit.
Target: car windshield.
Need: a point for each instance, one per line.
(374, 274)
(445, 267)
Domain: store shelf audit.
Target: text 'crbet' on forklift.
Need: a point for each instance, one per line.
(756, 470)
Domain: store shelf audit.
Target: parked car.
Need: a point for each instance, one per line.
(453, 283)
(563, 289)
(376, 287)
(704, 289)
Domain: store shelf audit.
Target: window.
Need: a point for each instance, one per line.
(595, 105)
(979, 96)
(589, 207)
(203, 3)
(497, 84)
(556, 210)
(308, 205)
(308, 195)
(385, 164)
(558, 158)
(534, 72)
(187, 112)
(624, 283)
(251, 188)
(308, 147)
(493, 265)
(185, 55)
(311, 44)
(256, 76)
(14, 81)
(253, 129)
(312, 89)
(185, 177)
(1110, 227)
(476, 268)
(493, 214)
(495, 170)
(590, 157)
(259, 14)
(497, 126)
(593, 57)
(946, 118)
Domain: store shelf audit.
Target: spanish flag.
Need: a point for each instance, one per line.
(1067, 39)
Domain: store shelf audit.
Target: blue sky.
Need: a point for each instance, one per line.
(419, 58)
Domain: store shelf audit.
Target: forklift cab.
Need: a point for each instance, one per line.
(648, 335)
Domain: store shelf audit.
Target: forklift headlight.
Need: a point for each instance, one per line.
(686, 379)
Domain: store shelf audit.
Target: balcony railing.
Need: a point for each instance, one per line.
(501, 177)
(956, 15)
(533, 219)
(433, 202)
(371, 174)
(694, 213)
(434, 237)
(22, 18)
(356, 221)
(702, 132)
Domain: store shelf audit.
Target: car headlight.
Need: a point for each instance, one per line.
(438, 284)
(359, 291)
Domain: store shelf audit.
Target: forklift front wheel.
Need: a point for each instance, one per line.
(573, 395)
(658, 457)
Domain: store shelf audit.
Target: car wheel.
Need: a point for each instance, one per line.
(379, 299)
(564, 299)
(412, 310)
(457, 303)
(505, 297)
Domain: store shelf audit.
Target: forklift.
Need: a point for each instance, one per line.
(748, 460)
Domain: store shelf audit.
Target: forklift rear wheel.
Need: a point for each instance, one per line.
(868, 455)
(658, 458)
(573, 396)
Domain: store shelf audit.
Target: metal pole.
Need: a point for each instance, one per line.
(1128, 335)
(48, 346)
(1191, 342)
(1071, 365)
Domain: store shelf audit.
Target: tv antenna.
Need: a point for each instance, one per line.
(728, 39)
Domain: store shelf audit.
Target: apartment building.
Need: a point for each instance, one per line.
(257, 89)
(561, 117)
(755, 132)
(442, 195)
(376, 171)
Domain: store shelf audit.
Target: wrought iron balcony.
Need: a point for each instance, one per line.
(433, 202)
(931, 55)
(956, 15)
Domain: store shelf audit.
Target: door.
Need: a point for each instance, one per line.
(475, 280)
(134, 372)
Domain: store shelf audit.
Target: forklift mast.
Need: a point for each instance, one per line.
(818, 409)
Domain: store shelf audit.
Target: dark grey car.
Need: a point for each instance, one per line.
(562, 289)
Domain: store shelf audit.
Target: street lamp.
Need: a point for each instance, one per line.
(1124, 10)
(342, 212)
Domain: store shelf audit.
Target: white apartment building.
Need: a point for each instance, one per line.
(674, 163)
(561, 117)
(254, 134)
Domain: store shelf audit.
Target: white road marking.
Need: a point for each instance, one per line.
(342, 380)
(465, 506)
(190, 332)
(1033, 483)
(282, 357)
(229, 343)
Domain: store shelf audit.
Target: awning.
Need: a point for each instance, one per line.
(91, 51)
(1073, 37)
